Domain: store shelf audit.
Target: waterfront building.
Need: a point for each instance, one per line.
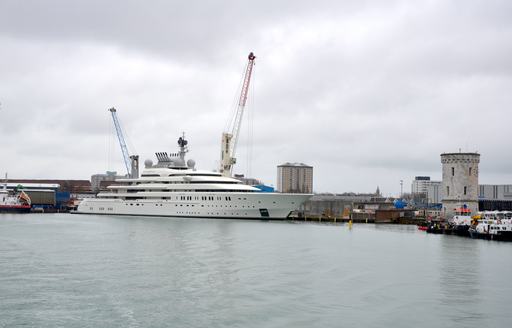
(101, 181)
(460, 182)
(428, 190)
(295, 178)
(51, 193)
(334, 204)
(494, 192)
(77, 187)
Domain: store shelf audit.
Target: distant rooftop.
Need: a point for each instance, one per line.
(473, 154)
(288, 164)
(64, 185)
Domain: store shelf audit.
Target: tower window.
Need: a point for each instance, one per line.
(448, 190)
(469, 171)
(453, 171)
(465, 190)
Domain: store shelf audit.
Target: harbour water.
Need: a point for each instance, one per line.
(62, 270)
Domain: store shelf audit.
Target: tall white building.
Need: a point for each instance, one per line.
(295, 178)
(460, 182)
(431, 189)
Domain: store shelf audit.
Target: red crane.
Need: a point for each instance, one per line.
(230, 138)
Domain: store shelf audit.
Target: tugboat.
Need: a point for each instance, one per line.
(436, 227)
(19, 203)
(493, 226)
(461, 222)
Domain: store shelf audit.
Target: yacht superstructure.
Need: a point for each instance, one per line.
(173, 187)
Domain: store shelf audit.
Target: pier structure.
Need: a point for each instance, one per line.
(460, 183)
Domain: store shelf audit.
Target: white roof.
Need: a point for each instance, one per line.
(35, 185)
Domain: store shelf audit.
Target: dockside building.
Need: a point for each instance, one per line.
(295, 178)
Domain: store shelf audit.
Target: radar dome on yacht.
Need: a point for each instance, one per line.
(148, 163)
(191, 163)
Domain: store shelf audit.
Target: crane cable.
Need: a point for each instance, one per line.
(230, 122)
(250, 127)
(110, 136)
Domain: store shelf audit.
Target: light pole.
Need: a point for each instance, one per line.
(401, 188)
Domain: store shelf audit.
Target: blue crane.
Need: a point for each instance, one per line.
(120, 136)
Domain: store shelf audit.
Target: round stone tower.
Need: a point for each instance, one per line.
(460, 182)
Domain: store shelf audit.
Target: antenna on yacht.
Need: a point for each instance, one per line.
(183, 146)
(5, 182)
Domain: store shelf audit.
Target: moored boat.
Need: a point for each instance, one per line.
(173, 187)
(493, 226)
(14, 202)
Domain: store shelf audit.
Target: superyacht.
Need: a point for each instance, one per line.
(173, 187)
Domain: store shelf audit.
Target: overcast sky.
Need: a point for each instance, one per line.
(367, 92)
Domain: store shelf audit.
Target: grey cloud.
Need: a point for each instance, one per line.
(369, 93)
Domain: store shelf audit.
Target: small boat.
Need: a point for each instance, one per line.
(460, 224)
(422, 227)
(435, 227)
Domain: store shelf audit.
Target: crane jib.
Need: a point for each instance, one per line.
(122, 143)
(230, 139)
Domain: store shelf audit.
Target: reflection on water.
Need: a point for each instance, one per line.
(81, 271)
(460, 280)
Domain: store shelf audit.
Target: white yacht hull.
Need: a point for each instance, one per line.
(251, 205)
